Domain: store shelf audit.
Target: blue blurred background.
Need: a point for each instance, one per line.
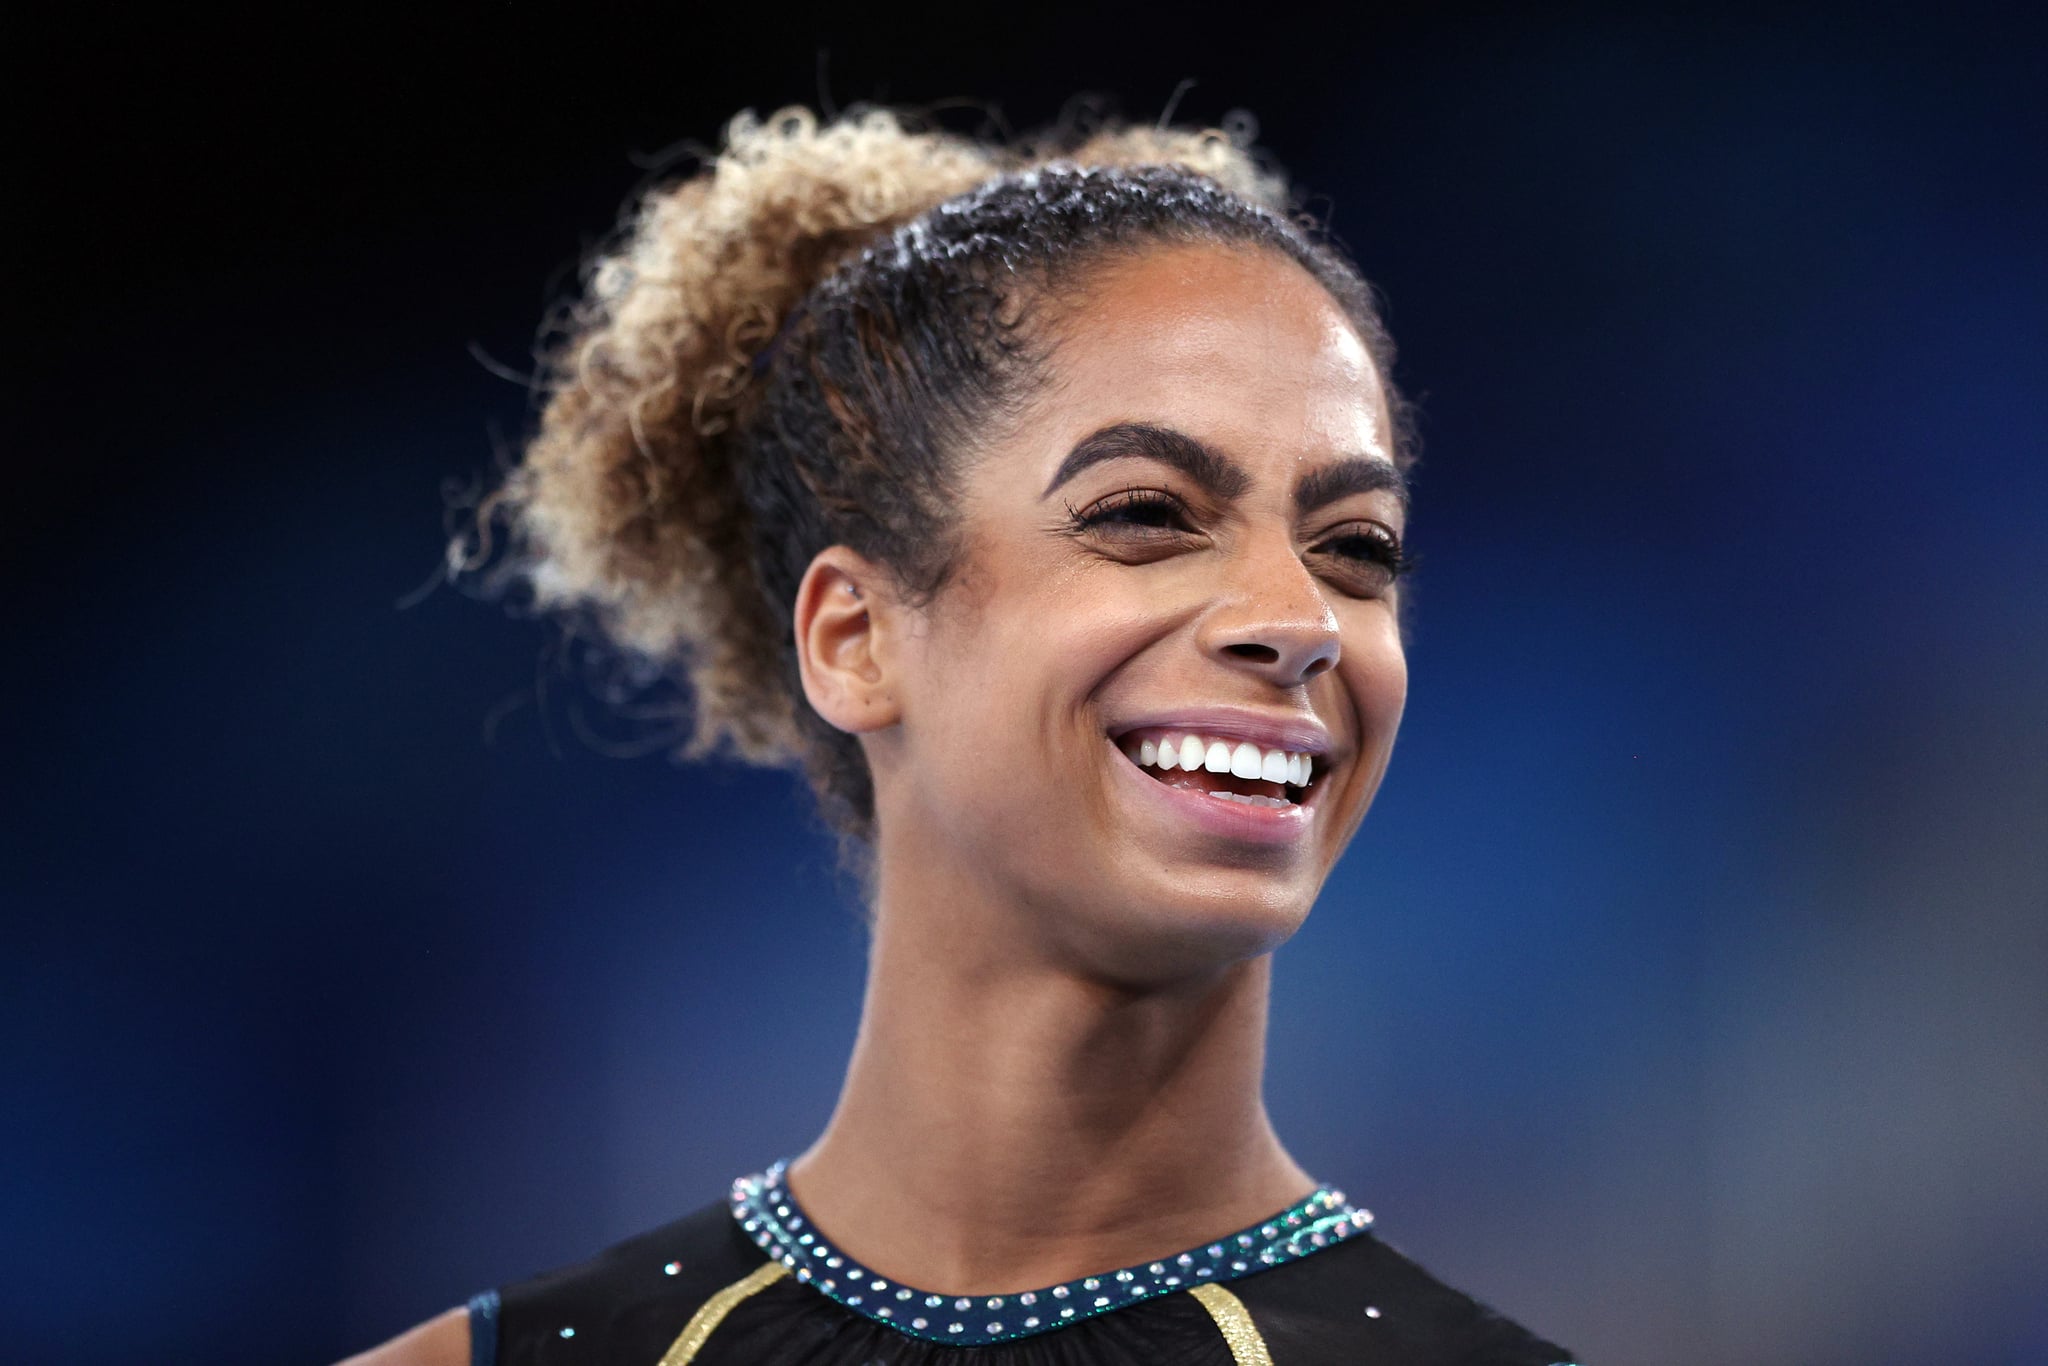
(1686, 994)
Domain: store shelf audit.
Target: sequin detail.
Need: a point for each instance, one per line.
(767, 1213)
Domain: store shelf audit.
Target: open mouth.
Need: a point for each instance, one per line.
(1218, 766)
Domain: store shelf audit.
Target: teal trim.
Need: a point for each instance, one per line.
(483, 1328)
(769, 1214)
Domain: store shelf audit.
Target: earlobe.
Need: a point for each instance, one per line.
(842, 634)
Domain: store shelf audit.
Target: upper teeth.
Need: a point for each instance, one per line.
(1239, 757)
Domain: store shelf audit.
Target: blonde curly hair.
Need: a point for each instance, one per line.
(776, 353)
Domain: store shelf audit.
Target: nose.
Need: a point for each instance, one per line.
(1273, 619)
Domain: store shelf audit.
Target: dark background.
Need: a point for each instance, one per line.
(1683, 996)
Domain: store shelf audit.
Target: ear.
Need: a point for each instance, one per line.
(845, 616)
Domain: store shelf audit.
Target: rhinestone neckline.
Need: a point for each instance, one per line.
(769, 1214)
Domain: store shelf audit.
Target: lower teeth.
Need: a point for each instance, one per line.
(1250, 800)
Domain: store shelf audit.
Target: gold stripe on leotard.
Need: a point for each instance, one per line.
(1247, 1348)
(713, 1311)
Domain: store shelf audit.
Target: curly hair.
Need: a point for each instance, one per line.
(786, 350)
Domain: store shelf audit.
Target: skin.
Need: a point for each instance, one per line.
(1059, 1061)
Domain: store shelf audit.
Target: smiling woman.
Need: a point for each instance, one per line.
(1046, 504)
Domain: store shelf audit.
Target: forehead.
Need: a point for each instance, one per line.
(1236, 345)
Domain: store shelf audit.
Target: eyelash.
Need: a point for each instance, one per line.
(1103, 515)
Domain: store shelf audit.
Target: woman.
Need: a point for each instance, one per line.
(1046, 505)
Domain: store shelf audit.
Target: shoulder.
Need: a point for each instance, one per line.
(688, 1258)
(626, 1303)
(629, 1301)
(441, 1341)
(1365, 1298)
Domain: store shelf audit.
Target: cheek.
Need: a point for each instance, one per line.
(1374, 670)
(1372, 681)
(1040, 636)
(1001, 666)
(1005, 721)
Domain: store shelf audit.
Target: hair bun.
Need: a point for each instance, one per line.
(625, 507)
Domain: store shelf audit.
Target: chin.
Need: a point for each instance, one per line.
(1200, 924)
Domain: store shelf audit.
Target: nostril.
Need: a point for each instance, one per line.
(1319, 665)
(1257, 654)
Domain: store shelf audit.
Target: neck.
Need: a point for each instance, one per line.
(1009, 1122)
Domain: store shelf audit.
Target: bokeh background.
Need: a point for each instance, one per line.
(1686, 994)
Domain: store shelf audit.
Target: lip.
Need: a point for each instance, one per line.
(1301, 734)
(1264, 825)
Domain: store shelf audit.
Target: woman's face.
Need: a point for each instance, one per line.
(1179, 560)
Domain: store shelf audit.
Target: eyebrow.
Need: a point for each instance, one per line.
(1218, 474)
(1343, 478)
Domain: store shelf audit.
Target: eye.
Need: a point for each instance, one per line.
(1141, 516)
(1365, 558)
